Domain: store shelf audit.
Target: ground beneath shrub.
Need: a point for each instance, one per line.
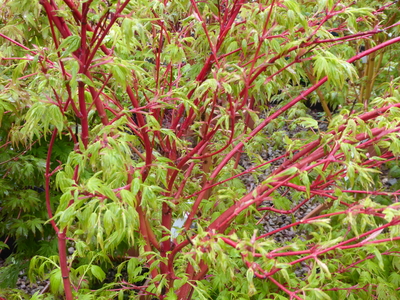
(24, 285)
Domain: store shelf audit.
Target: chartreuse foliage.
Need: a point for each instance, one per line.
(150, 138)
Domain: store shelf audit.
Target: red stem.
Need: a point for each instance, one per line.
(47, 180)
(60, 235)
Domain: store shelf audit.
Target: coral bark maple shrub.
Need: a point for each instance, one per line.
(162, 102)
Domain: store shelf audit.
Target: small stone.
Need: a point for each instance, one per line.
(71, 250)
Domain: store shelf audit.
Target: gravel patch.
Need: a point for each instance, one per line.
(25, 285)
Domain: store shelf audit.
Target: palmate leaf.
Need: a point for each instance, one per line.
(18, 70)
(35, 224)
(128, 197)
(149, 197)
(337, 70)
(70, 44)
(26, 200)
(9, 275)
(384, 291)
(38, 120)
(282, 203)
(6, 104)
(394, 279)
(13, 31)
(174, 53)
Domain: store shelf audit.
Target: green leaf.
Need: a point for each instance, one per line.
(394, 278)
(244, 46)
(305, 180)
(285, 275)
(351, 174)
(108, 221)
(121, 75)
(321, 295)
(148, 197)
(171, 295)
(250, 275)
(82, 77)
(98, 272)
(67, 217)
(152, 123)
(121, 295)
(208, 85)
(128, 197)
(336, 69)
(378, 256)
(135, 186)
(324, 268)
(276, 45)
(282, 203)
(134, 269)
(293, 5)
(308, 122)
(213, 8)
(18, 71)
(71, 44)
(56, 285)
(289, 172)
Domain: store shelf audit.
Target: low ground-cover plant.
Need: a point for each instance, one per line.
(139, 115)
